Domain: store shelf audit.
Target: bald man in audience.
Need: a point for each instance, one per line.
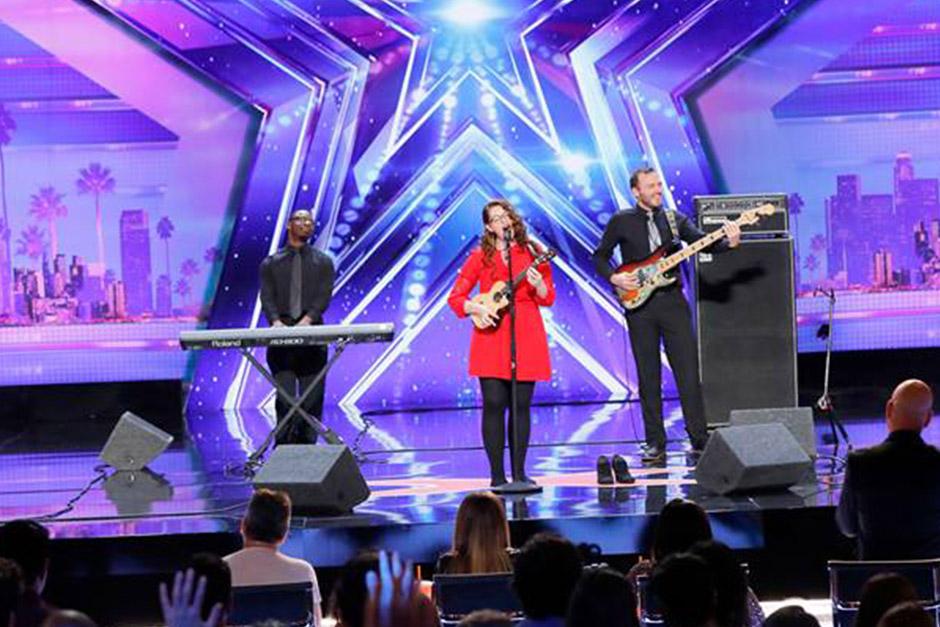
(891, 493)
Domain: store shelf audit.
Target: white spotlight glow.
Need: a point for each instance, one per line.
(470, 13)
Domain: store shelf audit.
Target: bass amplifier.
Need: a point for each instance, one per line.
(713, 211)
(747, 327)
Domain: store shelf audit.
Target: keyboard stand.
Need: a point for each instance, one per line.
(254, 461)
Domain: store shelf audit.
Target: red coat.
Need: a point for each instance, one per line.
(489, 349)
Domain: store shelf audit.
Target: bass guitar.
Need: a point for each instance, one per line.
(497, 299)
(653, 272)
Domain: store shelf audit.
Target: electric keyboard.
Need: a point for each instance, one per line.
(288, 336)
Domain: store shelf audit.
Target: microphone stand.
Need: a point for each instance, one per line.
(520, 484)
(824, 407)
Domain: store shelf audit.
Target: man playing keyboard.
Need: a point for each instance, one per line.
(296, 287)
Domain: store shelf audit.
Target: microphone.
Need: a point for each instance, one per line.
(507, 235)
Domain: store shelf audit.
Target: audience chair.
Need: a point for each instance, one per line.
(647, 603)
(846, 580)
(288, 604)
(458, 595)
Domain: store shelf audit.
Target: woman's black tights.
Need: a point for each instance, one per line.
(496, 404)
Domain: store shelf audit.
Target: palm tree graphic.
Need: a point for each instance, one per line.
(96, 180)
(31, 243)
(47, 206)
(183, 289)
(190, 268)
(165, 230)
(7, 126)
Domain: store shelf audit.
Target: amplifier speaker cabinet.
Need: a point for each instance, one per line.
(747, 328)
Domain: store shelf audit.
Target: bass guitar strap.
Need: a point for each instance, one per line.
(671, 219)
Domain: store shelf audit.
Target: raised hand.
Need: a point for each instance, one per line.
(183, 607)
(394, 597)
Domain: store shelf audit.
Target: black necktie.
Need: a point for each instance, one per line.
(655, 240)
(296, 286)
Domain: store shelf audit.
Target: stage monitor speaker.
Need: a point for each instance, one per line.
(799, 420)
(747, 328)
(321, 479)
(752, 457)
(134, 443)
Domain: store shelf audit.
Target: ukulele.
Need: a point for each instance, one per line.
(652, 273)
(497, 299)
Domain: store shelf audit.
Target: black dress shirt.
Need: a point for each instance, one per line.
(891, 499)
(628, 229)
(317, 282)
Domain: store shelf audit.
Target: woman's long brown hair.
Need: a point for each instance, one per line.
(520, 236)
(481, 536)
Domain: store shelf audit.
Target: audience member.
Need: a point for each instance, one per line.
(879, 594)
(486, 618)
(348, 601)
(11, 590)
(791, 616)
(680, 524)
(737, 606)
(909, 614)
(481, 538)
(547, 569)
(602, 597)
(357, 601)
(218, 587)
(183, 605)
(891, 493)
(684, 586)
(68, 618)
(261, 563)
(27, 543)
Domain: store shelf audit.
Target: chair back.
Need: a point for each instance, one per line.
(651, 613)
(846, 580)
(648, 605)
(289, 603)
(458, 595)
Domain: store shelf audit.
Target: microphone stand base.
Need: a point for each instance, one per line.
(517, 487)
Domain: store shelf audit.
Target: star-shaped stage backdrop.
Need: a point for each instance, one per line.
(394, 121)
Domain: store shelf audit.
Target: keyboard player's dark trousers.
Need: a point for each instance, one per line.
(295, 368)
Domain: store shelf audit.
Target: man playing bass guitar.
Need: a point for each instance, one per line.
(665, 315)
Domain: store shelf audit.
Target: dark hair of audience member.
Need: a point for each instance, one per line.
(486, 618)
(680, 524)
(730, 582)
(68, 618)
(686, 591)
(348, 601)
(218, 583)
(268, 516)
(791, 616)
(11, 589)
(547, 570)
(481, 536)
(907, 614)
(879, 594)
(602, 597)
(27, 543)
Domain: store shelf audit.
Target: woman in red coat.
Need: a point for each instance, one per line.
(490, 348)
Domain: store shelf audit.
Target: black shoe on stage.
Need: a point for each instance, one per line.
(622, 470)
(605, 475)
(652, 454)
